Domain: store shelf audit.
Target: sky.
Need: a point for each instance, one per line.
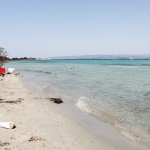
(47, 28)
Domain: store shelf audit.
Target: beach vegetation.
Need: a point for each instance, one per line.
(3, 56)
(23, 58)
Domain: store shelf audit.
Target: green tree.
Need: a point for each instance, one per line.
(3, 56)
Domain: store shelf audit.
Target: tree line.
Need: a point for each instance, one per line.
(4, 58)
(22, 58)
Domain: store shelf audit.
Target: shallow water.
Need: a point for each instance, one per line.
(115, 91)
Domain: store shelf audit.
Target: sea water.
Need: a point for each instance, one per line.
(115, 91)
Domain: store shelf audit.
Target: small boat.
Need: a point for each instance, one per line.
(2, 71)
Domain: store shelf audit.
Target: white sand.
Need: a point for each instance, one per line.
(46, 122)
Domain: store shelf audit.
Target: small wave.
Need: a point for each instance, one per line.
(134, 134)
(147, 94)
(83, 105)
(128, 64)
(124, 131)
(39, 71)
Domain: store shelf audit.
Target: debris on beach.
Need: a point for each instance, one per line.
(20, 99)
(10, 102)
(10, 70)
(17, 74)
(7, 125)
(35, 138)
(4, 144)
(2, 79)
(55, 100)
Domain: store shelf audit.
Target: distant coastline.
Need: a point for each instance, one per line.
(104, 57)
(89, 57)
(100, 59)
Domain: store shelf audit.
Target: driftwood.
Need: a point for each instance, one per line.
(4, 144)
(11, 101)
(56, 100)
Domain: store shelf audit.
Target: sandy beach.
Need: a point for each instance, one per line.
(44, 125)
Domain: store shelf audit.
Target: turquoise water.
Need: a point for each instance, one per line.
(116, 91)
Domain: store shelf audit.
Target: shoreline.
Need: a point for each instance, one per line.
(82, 112)
(53, 127)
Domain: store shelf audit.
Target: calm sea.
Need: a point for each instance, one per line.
(115, 91)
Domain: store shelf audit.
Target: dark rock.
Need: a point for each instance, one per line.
(17, 74)
(56, 100)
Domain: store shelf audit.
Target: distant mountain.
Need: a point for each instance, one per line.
(125, 56)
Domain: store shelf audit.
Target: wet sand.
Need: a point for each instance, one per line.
(44, 125)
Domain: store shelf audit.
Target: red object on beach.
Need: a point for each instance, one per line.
(2, 70)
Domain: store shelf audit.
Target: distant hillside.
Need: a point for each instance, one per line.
(145, 56)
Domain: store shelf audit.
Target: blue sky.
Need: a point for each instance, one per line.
(43, 28)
